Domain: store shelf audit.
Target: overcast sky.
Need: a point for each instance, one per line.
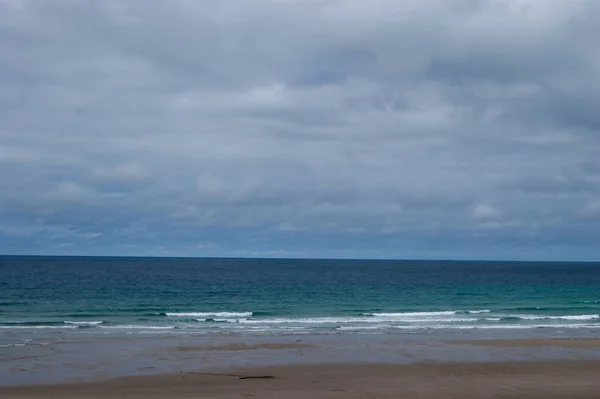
(462, 129)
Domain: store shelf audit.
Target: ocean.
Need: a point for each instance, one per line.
(84, 295)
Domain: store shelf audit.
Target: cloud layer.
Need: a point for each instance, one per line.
(335, 128)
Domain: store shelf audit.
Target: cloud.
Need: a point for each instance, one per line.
(485, 212)
(68, 191)
(591, 210)
(321, 127)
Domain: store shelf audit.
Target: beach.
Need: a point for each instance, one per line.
(277, 368)
(550, 379)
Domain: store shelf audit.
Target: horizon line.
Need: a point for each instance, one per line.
(299, 258)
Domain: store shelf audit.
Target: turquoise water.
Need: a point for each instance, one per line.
(260, 296)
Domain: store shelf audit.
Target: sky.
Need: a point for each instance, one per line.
(415, 129)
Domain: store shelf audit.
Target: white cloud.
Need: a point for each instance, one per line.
(591, 210)
(303, 117)
(485, 213)
(69, 191)
(129, 171)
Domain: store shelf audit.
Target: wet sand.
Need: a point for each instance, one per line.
(572, 371)
(240, 347)
(548, 379)
(581, 343)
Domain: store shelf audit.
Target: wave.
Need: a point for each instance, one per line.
(429, 314)
(411, 314)
(31, 323)
(545, 317)
(550, 308)
(474, 311)
(388, 328)
(49, 323)
(15, 345)
(262, 313)
(36, 327)
(510, 318)
(216, 320)
(12, 303)
(499, 327)
(346, 321)
(207, 314)
(86, 315)
(362, 328)
(138, 327)
(315, 320)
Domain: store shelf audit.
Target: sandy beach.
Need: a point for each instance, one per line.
(572, 374)
(549, 379)
(579, 343)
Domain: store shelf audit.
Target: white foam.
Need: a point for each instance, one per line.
(429, 314)
(498, 327)
(347, 320)
(23, 343)
(84, 323)
(572, 317)
(316, 320)
(231, 320)
(138, 327)
(221, 320)
(362, 328)
(412, 314)
(210, 314)
(37, 327)
(273, 328)
(579, 317)
(439, 320)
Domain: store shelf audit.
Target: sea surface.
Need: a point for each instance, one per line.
(65, 319)
(274, 296)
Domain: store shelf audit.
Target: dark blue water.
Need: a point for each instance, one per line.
(250, 296)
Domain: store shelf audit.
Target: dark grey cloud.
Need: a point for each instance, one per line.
(434, 128)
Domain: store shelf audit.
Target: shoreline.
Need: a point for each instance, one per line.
(523, 379)
(570, 342)
(89, 360)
